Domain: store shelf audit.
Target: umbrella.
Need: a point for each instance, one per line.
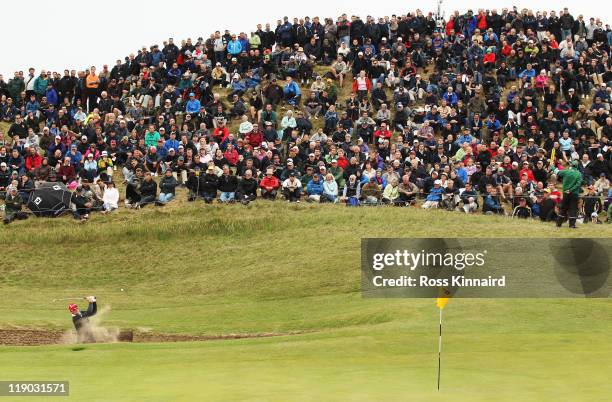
(49, 199)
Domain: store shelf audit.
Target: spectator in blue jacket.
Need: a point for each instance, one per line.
(75, 157)
(193, 105)
(465, 137)
(435, 195)
(51, 95)
(528, 72)
(314, 189)
(292, 92)
(491, 203)
(172, 142)
(32, 105)
(450, 97)
(492, 123)
(234, 47)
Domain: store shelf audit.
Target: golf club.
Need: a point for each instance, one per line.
(70, 298)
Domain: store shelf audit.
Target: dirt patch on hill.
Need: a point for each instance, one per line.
(33, 337)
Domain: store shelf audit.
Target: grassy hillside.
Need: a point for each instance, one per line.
(267, 267)
(198, 269)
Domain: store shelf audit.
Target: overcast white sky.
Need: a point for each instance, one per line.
(72, 34)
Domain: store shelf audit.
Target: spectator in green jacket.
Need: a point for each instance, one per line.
(13, 203)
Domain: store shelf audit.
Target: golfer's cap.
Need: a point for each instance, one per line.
(191, 94)
(84, 137)
(171, 150)
(104, 153)
(58, 137)
(268, 123)
(514, 163)
(292, 174)
(530, 140)
(334, 161)
(525, 163)
(90, 156)
(210, 169)
(600, 154)
(438, 182)
(500, 169)
(289, 160)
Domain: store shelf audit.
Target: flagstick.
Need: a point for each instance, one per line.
(439, 349)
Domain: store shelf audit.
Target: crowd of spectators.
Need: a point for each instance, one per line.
(478, 113)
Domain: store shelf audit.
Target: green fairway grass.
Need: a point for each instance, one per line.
(286, 269)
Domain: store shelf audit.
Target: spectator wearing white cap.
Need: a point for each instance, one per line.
(435, 195)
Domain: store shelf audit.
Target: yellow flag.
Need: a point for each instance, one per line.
(552, 155)
(443, 299)
(441, 302)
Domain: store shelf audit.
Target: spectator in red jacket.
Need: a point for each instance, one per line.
(33, 160)
(343, 162)
(489, 60)
(269, 185)
(527, 171)
(383, 132)
(254, 137)
(66, 172)
(362, 85)
(221, 132)
(231, 155)
(482, 21)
